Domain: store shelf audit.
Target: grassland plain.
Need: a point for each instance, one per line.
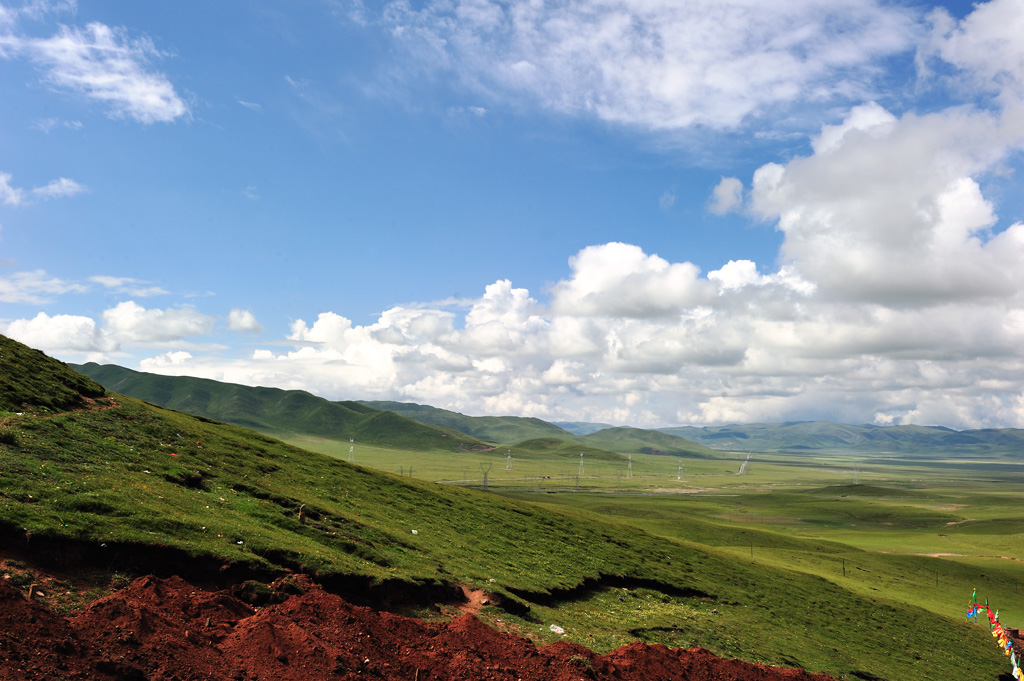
(144, 480)
(919, 535)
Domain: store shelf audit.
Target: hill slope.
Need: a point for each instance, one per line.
(135, 486)
(638, 441)
(503, 429)
(275, 411)
(31, 381)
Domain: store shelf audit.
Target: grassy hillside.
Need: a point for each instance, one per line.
(582, 427)
(275, 411)
(32, 382)
(409, 426)
(134, 477)
(503, 429)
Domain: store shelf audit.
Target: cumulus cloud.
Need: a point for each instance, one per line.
(61, 334)
(748, 346)
(658, 65)
(726, 196)
(167, 359)
(737, 274)
(985, 46)
(103, 64)
(889, 211)
(130, 322)
(619, 279)
(243, 321)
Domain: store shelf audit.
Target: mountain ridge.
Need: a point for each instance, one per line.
(275, 411)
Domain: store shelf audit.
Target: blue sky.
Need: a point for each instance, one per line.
(646, 213)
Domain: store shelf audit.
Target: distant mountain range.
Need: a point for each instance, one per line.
(395, 424)
(415, 426)
(826, 435)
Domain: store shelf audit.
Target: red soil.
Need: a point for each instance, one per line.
(167, 629)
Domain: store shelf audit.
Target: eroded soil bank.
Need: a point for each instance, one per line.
(169, 629)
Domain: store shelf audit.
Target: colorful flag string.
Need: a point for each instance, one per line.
(998, 632)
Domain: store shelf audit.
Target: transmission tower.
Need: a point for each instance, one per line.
(351, 450)
(679, 470)
(629, 467)
(581, 464)
(486, 471)
(508, 463)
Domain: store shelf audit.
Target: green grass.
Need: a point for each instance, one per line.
(31, 381)
(765, 549)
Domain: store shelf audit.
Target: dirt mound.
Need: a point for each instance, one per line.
(164, 629)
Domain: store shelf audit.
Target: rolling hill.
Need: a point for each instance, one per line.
(102, 479)
(276, 412)
(638, 441)
(503, 429)
(398, 424)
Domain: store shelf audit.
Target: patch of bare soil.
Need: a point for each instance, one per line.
(168, 629)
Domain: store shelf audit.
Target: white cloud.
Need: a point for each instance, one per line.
(34, 287)
(243, 321)
(12, 196)
(252, 106)
(176, 358)
(726, 196)
(61, 334)
(129, 322)
(887, 210)
(60, 188)
(985, 45)
(619, 279)
(737, 274)
(868, 118)
(750, 346)
(129, 286)
(658, 64)
(106, 65)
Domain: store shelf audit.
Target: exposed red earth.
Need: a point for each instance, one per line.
(168, 629)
